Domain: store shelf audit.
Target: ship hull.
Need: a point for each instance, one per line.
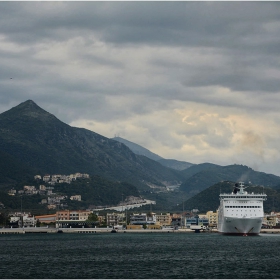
(240, 226)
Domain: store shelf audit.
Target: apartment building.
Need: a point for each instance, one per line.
(212, 218)
(72, 215)
(143, 219)
(164, 219)
(271, 220)
(22, 220)
(115, 219)
(47, 219)
(197, 220)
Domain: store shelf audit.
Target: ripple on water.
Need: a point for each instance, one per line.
(139, 256)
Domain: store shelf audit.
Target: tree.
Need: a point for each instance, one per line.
(92, 217)
(4, 219)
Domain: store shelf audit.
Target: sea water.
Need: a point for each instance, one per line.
(139, 255)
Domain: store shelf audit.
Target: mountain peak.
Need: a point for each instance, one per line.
(29, 102)
(28, 105)
(29, 109)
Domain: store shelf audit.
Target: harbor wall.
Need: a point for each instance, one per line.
(108, 230)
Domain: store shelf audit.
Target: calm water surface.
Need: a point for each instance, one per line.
(146, 255)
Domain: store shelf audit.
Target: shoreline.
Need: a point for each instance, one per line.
(108, 230)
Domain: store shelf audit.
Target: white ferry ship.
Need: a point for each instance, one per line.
(240, 213)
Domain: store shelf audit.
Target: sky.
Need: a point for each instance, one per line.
(191, 81)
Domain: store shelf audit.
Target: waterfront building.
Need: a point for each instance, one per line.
(143, 219)
(177, 220)
(138, 219)
(67, 218)
(164, 219)
(76, 215)
(213, 218)
(113, 219)
(270, 220)
(47, 219)
(22, 220)
(196, 220)
(83, 215)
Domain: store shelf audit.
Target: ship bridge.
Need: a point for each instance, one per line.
(239, 193)
(243, 197)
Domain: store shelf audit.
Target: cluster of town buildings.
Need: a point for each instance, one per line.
(69, 218)
(80, 218)
(52, 200)
(54, 179)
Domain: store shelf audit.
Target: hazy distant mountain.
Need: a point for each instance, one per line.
(202, 176)
(38, 140)
(175, 164)
(194, 169)
(208, 199)
(139, 150)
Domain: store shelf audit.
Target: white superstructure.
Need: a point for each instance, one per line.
(240, 212)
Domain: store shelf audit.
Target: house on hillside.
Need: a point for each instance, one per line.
(76, 197)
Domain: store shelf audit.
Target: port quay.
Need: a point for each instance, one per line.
(26, 230)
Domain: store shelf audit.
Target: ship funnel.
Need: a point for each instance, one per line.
(236, 188)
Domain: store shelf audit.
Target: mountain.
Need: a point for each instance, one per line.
(13, 171)
(38, 140)
(194, 169)
(208, 199)
(95, 191)
(202, 176)
(175, 164)
(137, 149)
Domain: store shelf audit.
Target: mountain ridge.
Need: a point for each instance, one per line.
(139, 150)
(204, 175)
(208, 199)
(40, 140)
(31, 139)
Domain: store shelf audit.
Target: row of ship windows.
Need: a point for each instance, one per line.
(251, 215)
(243, 196)
(242, 206)
(246, 201)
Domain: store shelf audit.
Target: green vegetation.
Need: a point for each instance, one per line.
(95, 191)
(208, 199)
(92, 218)
(202, 176)
(34, 141)
(38, 140)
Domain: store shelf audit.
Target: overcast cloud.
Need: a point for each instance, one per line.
(192, 81)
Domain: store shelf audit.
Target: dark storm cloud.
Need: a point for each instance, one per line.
(247, 33)
(182, 77)
(228, 24)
